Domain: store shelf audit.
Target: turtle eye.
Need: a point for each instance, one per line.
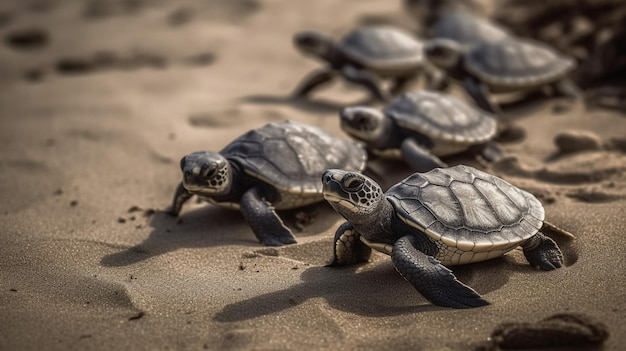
(363, 122)
(353, 183)
(210, 171)
(360, 120)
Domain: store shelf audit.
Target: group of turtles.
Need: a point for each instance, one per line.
(437, 217)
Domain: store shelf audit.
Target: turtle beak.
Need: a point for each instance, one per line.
(331, 182)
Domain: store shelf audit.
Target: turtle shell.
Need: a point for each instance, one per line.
(517, 63)
(470, 215)
(467, 29)
(441, 117)
(292, 156)
(383, 48)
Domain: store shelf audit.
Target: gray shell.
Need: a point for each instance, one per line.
(383, 48)
(292, 156)
(441, 117)
(468, 29)
(517, 63)
(470, 214)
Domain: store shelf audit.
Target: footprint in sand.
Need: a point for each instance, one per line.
(581, 157)
(106, 60)
(560, 330)
(27, 39)
(590, 167)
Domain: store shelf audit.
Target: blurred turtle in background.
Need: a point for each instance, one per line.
(508, 65)
(460, 21)
(592, 31)
(364, 56)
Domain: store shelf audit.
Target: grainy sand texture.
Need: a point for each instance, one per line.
(99, 100)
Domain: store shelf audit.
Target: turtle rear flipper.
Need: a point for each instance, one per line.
(264, 221)
(543, 252)
(432, 279)
(490, 151)
(566, 88)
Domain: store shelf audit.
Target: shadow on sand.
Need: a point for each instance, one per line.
(387, 293)
(317, 105)
(211, 226)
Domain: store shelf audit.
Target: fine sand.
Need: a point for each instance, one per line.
(100, 99)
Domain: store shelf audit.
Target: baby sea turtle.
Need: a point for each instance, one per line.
(461, 21)
(363, 56)
(510, 65)
(277, 166)
(447, 216)
(423, 125)
(467, 29)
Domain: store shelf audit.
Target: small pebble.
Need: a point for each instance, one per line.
(134, 209)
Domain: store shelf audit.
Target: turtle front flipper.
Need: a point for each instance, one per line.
(180, 197)
(480, 93)
(432, 279)
(542, 252)
(264, 221)
(419, 157)
(348, 248)
(366, 79)
(313, 81)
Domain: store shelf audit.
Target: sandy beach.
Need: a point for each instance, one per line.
(102, 99)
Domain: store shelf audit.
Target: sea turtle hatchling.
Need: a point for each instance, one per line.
(277, 166)
(423, 125)
(467, 29)
(460, 21)
(363, 56)
(509, 65)
(444, 217)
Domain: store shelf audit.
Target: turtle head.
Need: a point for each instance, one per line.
(365, 123)
(354, 196)
(206, 173)
(314, 44)
(443, 53)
